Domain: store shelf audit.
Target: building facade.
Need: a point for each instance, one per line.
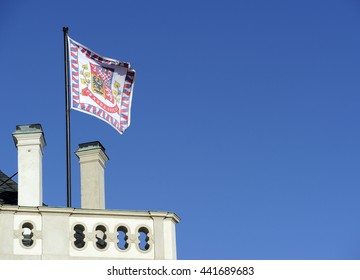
(30, 230)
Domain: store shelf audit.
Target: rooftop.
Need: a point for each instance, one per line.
(8, 190)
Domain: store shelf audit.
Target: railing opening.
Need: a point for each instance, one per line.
(122, 238)
(27, 234)
(79, 236)
(144, 239)
(100, 234)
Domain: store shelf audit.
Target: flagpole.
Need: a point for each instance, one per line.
(67, 109)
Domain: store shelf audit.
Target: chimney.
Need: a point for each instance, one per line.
(30, 141)
(92, 158)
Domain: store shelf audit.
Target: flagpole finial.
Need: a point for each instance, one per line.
(65, 29)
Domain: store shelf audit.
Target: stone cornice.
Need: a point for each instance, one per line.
(89, 212)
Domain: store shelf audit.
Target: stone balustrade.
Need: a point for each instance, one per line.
(71, 233)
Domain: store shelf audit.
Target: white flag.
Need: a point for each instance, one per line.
(100, 86)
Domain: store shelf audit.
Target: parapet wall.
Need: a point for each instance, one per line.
(71, 233)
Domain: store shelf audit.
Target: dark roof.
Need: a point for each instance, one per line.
(8, 190)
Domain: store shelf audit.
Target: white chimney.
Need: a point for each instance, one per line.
(92, 158)
(30, 141)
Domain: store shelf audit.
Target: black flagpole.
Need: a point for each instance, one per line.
(67, 109)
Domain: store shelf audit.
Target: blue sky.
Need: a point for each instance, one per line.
(245, 117)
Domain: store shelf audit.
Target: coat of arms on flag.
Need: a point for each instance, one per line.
(100, 86)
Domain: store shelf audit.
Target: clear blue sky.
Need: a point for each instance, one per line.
(245, 117)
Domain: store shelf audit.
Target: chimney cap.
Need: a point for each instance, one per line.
(28, 128)
(90, 146)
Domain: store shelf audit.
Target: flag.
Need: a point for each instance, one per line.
(100, 86)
